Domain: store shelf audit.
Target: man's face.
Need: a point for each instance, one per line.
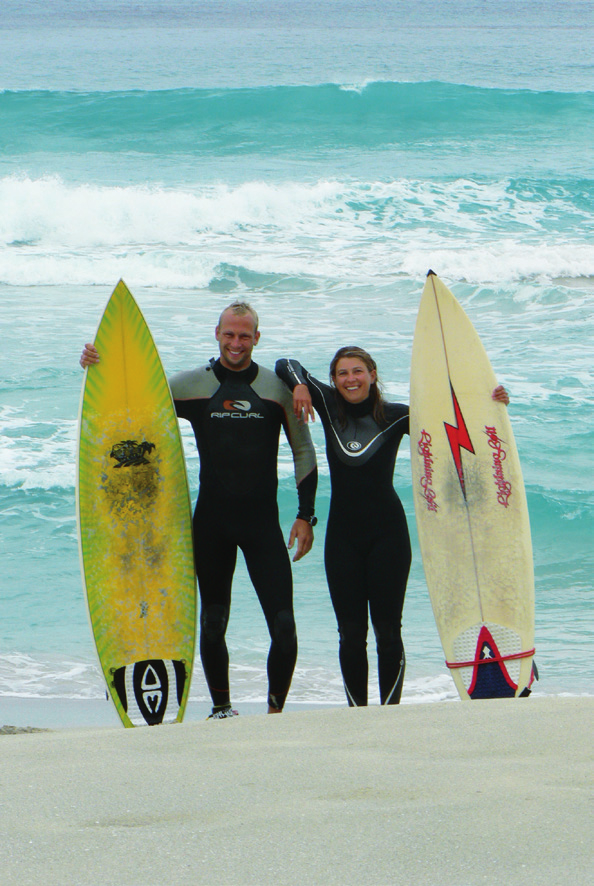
(237, 336)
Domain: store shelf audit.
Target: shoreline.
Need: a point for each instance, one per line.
(27, 713)
(21, 714)
(425, 794)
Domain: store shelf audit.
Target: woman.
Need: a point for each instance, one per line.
(367, 552)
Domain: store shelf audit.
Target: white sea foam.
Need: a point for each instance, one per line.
(497, 232)
(36, 454)
(36, 676)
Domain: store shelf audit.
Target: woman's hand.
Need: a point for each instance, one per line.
(302, 406)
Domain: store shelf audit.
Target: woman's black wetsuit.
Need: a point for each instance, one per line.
(367, 552)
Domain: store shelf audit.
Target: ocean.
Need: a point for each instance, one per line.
(316, 160)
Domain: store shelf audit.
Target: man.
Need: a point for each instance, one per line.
(236, 409)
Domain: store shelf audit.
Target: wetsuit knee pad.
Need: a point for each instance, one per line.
(213, 622)
(352, 634)
(386, 634)
(284, 632)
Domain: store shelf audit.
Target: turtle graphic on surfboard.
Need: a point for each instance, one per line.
(470, 505)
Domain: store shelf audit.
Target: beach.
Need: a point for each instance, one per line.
(444, 794)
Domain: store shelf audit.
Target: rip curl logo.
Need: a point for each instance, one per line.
(354, 446)
(236, 409)
(240, 405)
(426, 481)
(129, 453)
(503, 486)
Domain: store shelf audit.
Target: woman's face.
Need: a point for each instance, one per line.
(353, 379)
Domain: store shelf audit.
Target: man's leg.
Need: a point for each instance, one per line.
(215, 564)
(269, 567)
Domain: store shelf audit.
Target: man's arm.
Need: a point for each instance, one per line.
(500, 395)
(302, 529)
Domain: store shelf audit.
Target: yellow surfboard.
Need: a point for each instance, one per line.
(470, 505)
(135, 522)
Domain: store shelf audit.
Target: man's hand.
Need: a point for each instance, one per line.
(302, 404)
(89, 356)
(500, 395)
(303, 532)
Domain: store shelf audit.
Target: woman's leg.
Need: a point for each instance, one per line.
(346, 582)
(388, 566)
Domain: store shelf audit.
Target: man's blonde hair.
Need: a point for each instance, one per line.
(240, 309)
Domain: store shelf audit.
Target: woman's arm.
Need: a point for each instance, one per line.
(302, 403)
(295, 377)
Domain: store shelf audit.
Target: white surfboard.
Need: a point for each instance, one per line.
(470, 505)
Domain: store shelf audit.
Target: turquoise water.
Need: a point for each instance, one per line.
(316, 160)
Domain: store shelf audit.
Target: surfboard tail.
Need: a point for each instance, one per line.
(498, 668)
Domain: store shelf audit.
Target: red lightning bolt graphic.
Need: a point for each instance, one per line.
(459, 439)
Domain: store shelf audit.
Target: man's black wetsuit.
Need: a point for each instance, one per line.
(367, 551)
(236, 418)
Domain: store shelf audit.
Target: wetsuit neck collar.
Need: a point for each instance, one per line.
(358, 410)
(243, 375)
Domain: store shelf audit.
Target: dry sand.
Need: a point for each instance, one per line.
(451, 794)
